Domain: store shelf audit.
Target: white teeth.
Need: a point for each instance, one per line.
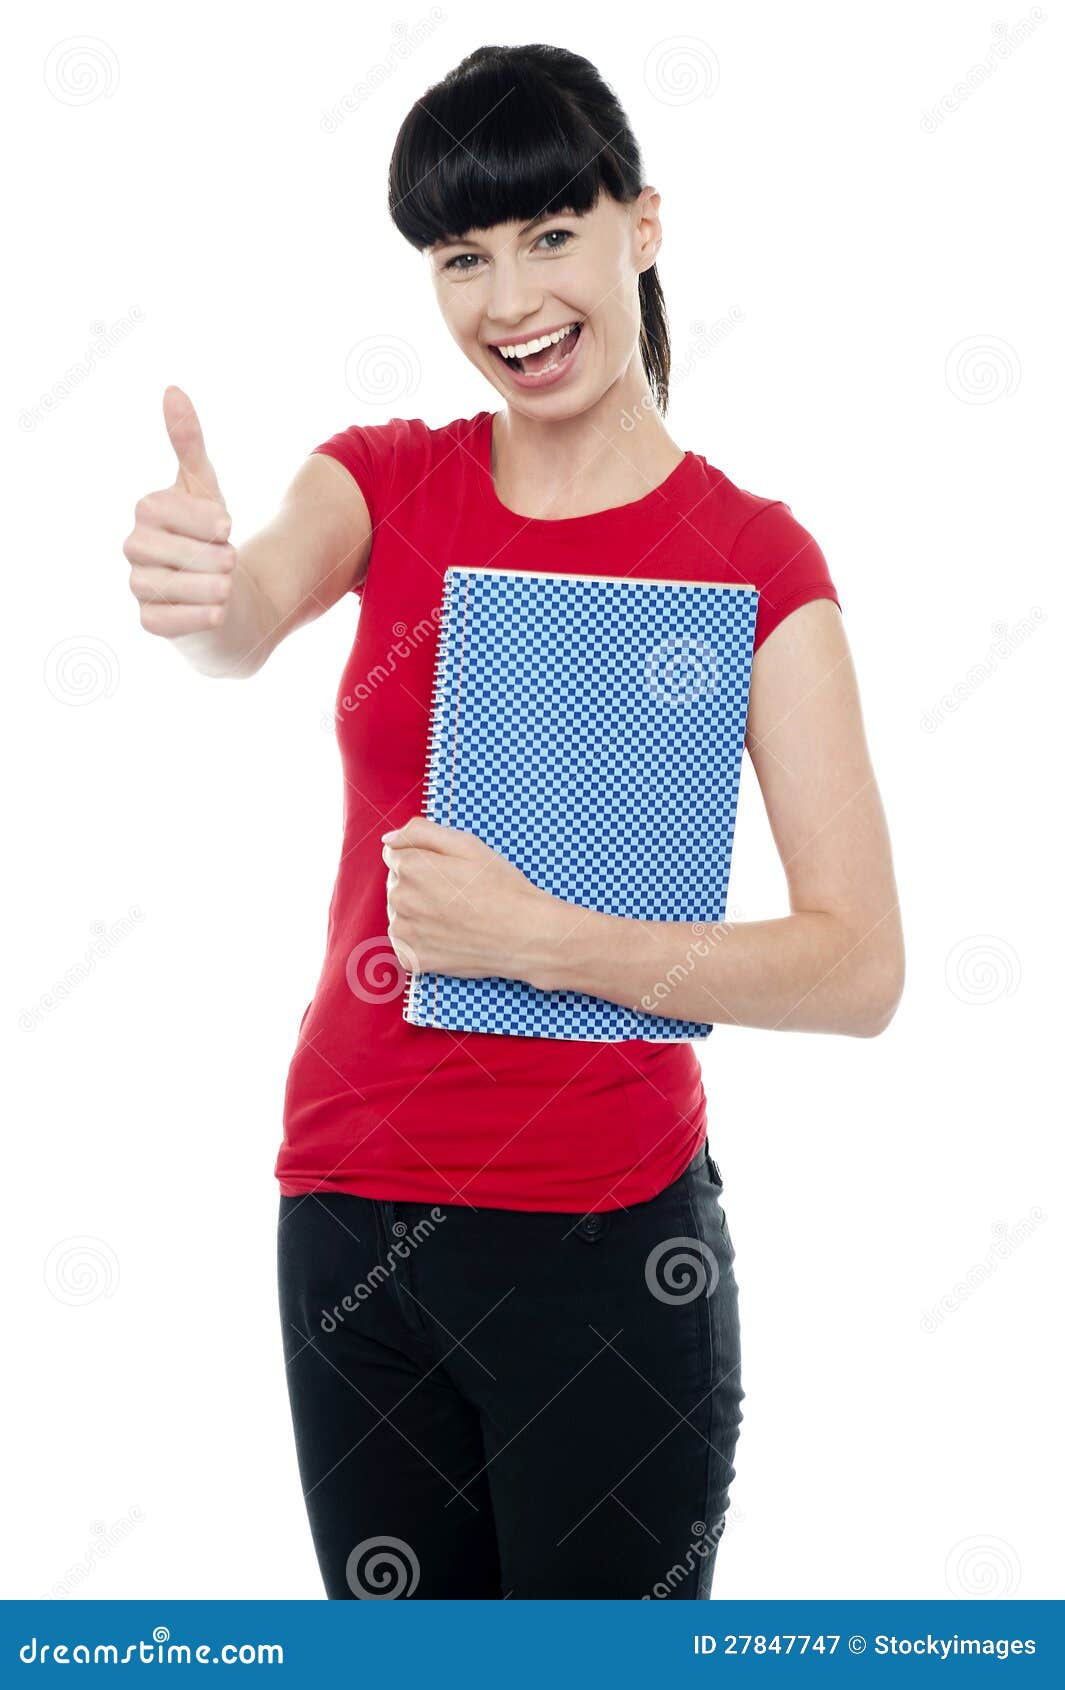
(523, 350)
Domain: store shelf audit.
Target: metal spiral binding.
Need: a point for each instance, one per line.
(434, 753)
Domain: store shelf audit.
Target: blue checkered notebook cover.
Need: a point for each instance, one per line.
(590, 728)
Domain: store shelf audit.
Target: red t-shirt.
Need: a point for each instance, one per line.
(374, 1105)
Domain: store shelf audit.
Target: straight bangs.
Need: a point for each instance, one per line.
(490, 147)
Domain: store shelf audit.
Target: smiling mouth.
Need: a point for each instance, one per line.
(537, 362)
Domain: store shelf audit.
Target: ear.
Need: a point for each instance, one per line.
(648, 227)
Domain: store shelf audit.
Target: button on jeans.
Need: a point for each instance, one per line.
(501, 1403)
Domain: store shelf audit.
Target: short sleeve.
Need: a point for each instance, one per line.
(367, 452)
(780, 557)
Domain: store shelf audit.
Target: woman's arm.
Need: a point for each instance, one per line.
(292, 570)
(836, 963)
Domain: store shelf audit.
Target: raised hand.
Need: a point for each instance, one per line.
(182, 562)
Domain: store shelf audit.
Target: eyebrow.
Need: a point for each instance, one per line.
(463, 240)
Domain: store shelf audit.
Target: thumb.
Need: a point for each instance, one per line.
(195, 474)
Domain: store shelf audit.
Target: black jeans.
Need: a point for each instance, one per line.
(497, 1403)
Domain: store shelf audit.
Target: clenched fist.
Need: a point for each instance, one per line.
(182, 561)
(456, 906)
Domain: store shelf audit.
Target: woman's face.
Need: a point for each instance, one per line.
(517, 283)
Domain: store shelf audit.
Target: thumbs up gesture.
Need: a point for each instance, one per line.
(182, 562)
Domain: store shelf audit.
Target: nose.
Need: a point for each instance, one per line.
(513, 296)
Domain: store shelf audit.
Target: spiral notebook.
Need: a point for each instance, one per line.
(590, 728)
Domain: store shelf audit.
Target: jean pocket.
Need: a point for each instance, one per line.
(713, 1170)
(714, 1193)
(721, 1218)
(725, 1233)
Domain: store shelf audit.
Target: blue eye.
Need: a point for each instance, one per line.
(462, 269)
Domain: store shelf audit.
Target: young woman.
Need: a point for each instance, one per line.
(506, 1279)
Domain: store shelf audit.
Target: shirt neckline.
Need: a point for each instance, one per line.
(570, 527)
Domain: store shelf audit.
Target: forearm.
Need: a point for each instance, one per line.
(243, 642)
(806, 972)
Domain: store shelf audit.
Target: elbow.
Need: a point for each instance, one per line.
(879, 999)
(222, 668)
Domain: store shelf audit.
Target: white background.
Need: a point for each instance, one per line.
(894, 374)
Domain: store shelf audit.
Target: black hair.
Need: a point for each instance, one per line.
(511, 133)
